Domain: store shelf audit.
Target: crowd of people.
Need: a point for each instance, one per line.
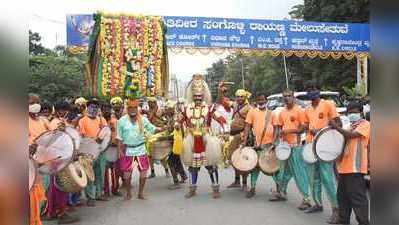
(188, 123)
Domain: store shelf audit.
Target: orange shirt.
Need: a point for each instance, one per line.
(36, 128)
(355, 156)
(256, 118)
(291, 119)
(90, 127)
(319, 116)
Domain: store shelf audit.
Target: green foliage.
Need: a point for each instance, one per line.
(356, 92)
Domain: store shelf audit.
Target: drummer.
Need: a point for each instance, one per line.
(352, 188)
(36, 127)
(89, 126)
(81, 104)
(290, 124)
(264, 138)
(58, 200)
(155, 116)
(240, 111)
(317, 117)
(131, 130)
(112, 116)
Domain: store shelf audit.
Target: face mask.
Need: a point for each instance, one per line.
(35, 108)
(262, 106)
(92, 111)
(354, 117)
(133, 114)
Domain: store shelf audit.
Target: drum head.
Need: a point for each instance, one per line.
(74, 135)
(54, 151)
(111, 154)
(72, 179)
(32, 173)
(308, 154)
(328, 144)
(105, 136)
(268, 163)
(244, 159)
(90, 147)
(283, 151)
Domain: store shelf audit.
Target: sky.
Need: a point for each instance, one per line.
(48, 17)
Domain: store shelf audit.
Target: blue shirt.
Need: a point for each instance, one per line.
(129, 133)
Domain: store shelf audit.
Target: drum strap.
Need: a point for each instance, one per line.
(267, 119)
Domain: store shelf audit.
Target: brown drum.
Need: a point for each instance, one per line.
(244, 160)
(32, 173)
(268, 162)
(54, 151)
(71, 179)
(161, 149)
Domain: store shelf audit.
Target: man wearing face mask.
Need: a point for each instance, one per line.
(317, 117)
(130, 133)
(352, 187)
(265, 137)
(89, 126)
(81, 104)
(290, 124)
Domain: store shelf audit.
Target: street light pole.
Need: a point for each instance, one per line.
(286, 73)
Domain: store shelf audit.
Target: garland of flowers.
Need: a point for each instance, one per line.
(131, 51)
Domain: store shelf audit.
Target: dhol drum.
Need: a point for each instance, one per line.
(329, 144)
(111, 154)
(54, 151)
(213, 150)
(161, 149)
(244, 159)
(74, 135)
(72, 178)
(105, 136)
(88, 146)
(87, 164)
(308, 154)
(283, 151)
(32, 173)
(268, 162)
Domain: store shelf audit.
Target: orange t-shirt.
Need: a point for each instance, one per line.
(90, 127)
(355, 156)
(256, 118)
(291, 119)
(36, 128)
(319, 116)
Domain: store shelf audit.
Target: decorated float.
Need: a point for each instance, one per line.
(127, 54)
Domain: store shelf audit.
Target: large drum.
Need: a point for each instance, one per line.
(329, 144)
(54, 151)
(87, 164)
(72, 178)
(32, 173)
(268, 162)
(308, 154)
(89, 147)
(161, 149)
(105, 136)
(111, 155)
(74, 135)
(283, 151)
(213, 150)
(244, 159)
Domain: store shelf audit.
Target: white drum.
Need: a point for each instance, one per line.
(283, 151)
(105, 136)
(111, 154)
(74, 135)
(244, 159)
(329, 144)
(308, 154)
(88, 146)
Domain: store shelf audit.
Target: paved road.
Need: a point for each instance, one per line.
(165, 207)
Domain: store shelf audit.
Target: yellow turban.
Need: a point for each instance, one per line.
(151, 99)
(80, 101)
(116, 100)
(243, 93)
